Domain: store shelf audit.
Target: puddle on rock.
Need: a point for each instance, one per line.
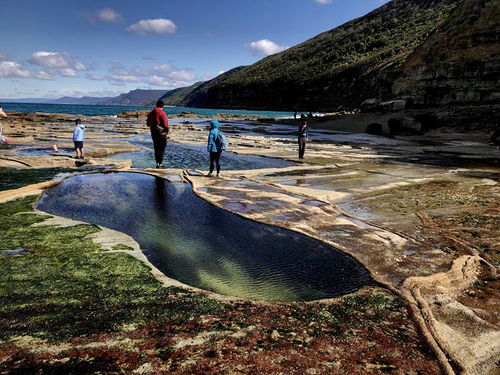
(201, 245)
(19, 252)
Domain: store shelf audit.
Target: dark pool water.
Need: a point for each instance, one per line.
(195, 157)
(201, 245)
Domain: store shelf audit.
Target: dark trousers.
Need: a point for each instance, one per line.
(302, 146)
(215, 161)
(159, 143)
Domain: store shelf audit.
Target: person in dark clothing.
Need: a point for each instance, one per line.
(213, 148)
(158, 124)
(303, 138)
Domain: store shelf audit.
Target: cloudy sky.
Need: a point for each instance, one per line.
(53, 48)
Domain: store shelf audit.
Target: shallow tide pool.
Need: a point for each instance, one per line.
(203, 246)
(195, 157)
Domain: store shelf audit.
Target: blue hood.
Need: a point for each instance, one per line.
(214, 124)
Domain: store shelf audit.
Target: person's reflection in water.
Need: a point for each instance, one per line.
(160, 196)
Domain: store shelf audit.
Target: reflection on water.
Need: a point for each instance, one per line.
(203, 246)
(195, 157)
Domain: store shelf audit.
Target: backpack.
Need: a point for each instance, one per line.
(221, 142)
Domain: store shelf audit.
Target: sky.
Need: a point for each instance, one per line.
(55, 48)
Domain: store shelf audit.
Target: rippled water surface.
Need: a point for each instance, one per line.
(201, 245)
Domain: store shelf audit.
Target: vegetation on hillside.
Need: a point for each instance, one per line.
(342, 66)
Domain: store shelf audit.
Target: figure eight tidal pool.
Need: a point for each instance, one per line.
(201, 245)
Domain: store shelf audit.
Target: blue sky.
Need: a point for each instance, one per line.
(53, 48)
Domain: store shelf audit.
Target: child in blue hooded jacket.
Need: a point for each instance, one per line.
(213, 148)
(78, 137)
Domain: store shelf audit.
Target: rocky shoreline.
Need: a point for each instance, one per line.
(420, 212)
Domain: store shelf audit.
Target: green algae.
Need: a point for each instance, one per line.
(121, 247)
(69, 286)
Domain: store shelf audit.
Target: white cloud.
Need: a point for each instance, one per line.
(43, 75)
(155, 80)
(50, 59)
(165, 68)
(79, 93)
(108, 15)
(153, 26)
(182, 75)
(167, 76)
(123, 78)
(80, 66)
(94, 77)
(265, 47)
(10, 69)
(120, 75)
(104, 15)
(164, 75)
(64, 62)
(3, 56)
(323, 2)
(67, 72)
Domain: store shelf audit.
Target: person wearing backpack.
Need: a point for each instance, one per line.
(158, 124)
(216, 144)
(303, 138)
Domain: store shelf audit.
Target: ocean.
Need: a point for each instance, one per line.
(111, 110)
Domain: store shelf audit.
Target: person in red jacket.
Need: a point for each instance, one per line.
(158, 124)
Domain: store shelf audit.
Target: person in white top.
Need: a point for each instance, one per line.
(2, 138)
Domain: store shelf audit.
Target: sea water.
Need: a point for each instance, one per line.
(113, 110)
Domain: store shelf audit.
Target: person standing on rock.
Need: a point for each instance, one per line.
(158, 124)
(2, 138)
(303, 138)
(216, 144)
(78, 137)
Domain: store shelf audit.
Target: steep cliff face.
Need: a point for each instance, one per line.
(460, 62)
(340, 67)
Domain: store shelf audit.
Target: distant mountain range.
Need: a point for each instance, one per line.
(134, 97)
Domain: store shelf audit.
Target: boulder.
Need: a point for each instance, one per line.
(370, 105)
(393, 105)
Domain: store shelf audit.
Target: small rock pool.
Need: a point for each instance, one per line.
(201, 245)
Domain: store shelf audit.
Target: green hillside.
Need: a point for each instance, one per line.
(340, 67)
